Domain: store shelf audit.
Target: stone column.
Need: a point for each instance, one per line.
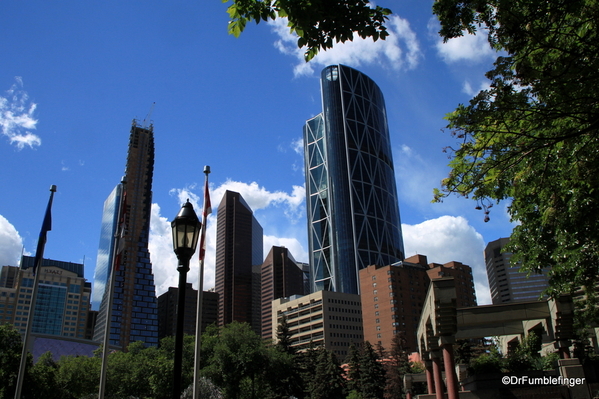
(450, 376)
(437, 376)
(430, 381)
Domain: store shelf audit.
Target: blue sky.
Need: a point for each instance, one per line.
(75, 73)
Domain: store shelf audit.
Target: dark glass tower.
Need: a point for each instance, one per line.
(134, 311)
(353, 213)
(238, 248)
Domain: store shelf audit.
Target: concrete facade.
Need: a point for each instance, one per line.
(324, 318)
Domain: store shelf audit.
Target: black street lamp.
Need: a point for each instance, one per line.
(186, 231)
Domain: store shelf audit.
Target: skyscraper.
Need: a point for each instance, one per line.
(238, 248)
(353, 212)
(506, 282)
(63, 297)
(281, 277)
(134, 311)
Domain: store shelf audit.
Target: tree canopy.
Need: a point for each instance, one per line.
(532, 137)
(318, 24)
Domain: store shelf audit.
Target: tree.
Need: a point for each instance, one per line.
(44, 379)
(10, 359)
(397, 367)
(328, 381)
(532, 137)
(284, 337)
(237, 358)
(317, 23)
(372, 373)
(78, 376)
(354, 372)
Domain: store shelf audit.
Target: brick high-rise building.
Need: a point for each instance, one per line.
(134, 310)
(238, 248)
(393, 296)
(281, 277)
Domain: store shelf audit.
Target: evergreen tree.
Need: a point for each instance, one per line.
(372, 373)
(284, 336)
(353, 375)
(397, 367)
(328, 381)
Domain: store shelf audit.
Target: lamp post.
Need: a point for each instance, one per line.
(186, 230)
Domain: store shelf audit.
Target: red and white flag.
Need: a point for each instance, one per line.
(205, 213)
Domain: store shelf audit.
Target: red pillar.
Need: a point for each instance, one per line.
(450, 376)
(430, 382)
(564, 352)
(438, 378)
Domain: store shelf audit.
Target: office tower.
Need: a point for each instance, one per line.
(506, 282)
(353, 213)
(306, 276)
(167, 311)
(329, 319)
(134, 311)
(63, 297)
(281, 278)
(238, 248)
(393, 296)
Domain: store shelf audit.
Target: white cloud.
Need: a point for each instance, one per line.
(447, 239)
(292, 244)
(16, 117)
(11, 244)
(164, 261)
(468, 47)
(468, 89)
(298, 146)
(400, 50)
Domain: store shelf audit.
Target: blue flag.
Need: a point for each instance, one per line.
(46, 226)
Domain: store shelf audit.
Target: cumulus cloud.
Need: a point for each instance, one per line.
(16, 117)
(446, 239)
(474, 48)
(290, 206)
(11, 244)
(468, 89)
(292, 244)
(399, 51)
(298, 146)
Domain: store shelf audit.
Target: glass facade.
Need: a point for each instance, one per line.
(353, 212)
(62, 302)
(106, 247)
(134, 314)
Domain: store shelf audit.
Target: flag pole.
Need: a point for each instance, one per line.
(37, 264)
(111, 282)
(207, 210)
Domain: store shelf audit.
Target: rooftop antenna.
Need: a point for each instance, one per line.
(146, 123)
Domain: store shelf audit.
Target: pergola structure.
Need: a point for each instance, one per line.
(442, 323)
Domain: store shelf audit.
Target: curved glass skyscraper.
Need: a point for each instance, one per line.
(353, 213)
